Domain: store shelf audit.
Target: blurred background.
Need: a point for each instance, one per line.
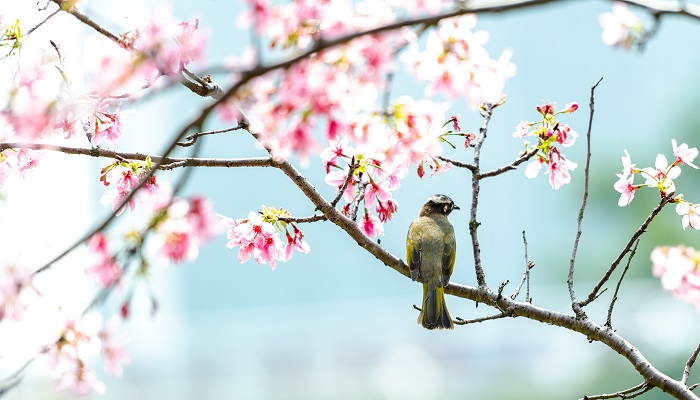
(336, 323)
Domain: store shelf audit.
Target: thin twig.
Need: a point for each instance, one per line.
(459, 164)
(460, 321)
(689, 365)
(192, 139)
(348, 178)
(570, 279)
(623, 394)
(526, 275)
(608, 322)
(301, 220)
(513, 165)
(594, 292)
(358, 199)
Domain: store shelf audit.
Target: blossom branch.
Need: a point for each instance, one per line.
(168, 162)
(623, 394)
(589, 329)
(570, 279)
(594, 292)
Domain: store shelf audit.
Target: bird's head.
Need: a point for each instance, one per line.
(438, 204)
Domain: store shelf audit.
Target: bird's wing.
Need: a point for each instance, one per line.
(413, 251)
(449, 253)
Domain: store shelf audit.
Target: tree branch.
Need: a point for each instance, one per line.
(167, 162)
(623, 394)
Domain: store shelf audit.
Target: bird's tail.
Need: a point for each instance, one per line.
(434, 313)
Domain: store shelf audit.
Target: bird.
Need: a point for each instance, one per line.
(430, 252)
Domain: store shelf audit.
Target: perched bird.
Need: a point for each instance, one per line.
(430, 251)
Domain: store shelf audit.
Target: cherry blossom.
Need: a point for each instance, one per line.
(258, 236)
(104, 267)
(621, 27)
(80, 380)
(690, 215)
(662, 175)
(684, 155)
(16, 291)
(371, 225)
(627, 167)
(113, 351)
(626, 189)
(549, 133)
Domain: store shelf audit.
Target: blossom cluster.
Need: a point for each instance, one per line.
(41, 102)
(82, 337)
(456, 64)
(181, 229)
(19, 160)
(370, 173)
(677, 268)
(661, 177)
(550, 133)
(259, 236)
(123, 176)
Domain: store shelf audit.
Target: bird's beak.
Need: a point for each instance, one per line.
(455, 207)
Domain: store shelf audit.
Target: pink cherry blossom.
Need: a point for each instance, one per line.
(565, 135)
(27, 160)
(201, 218)
(105, 125)
(521, 130)
(626, 189)
(684, 154)
(113, 351)
(371, 225)
(80, 380)
(570, 108)
(104, 266)
(256, 237)
(16, 291)
(690, 215)
(175, 241)
(296, 242)
(385, 210)
(559, 169)
(677, 267)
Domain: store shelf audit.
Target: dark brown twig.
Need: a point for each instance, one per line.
(623, 394)
(608, 321)
(526, 275)
(594, 292)
(570, 279)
